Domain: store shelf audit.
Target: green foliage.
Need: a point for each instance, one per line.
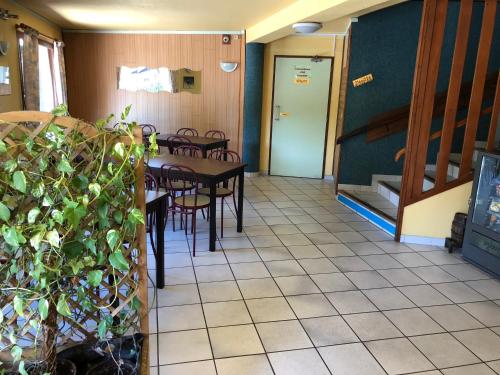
(67, 213)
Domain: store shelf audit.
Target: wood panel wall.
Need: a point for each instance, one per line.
(92, 61)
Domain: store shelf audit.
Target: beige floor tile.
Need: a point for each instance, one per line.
(219, 291)
(305, 251)
(443, 350)
(465, 272)
(401, 277)
(293, 285)
(352, 263)
(285, 229)
(495, 365)
(413, 322)
(365, 248)
(382, 261)
(388, 298)
(459, 292)
(184, 346)
(269, 309)
(274, 253)
(351, 302)
(294, 239)
(412, 260)
(487, 312)
(350, 359)
(311, 305)
(284, 335)
(332, 282)
(254, 270)
(336, 250)
(318, 265)
(424, 295)
(350, 236)
(311, 228)
(331, 330)
(285, 268)
(489, 288)
(482, 342)
(177, 260)
(247, 365)
(433, 274)
(265, 241)
(235, 341)
(258, 230)
(190, 368)
(220, 272)
(452, 317)
(298, 362)
(242, 255)
(176, 276)
(177, 318)
(372, 326)
(259, 288)
(226, 313)
(368, 279)
(323, 238)
(177, 295)
(398, 356)
(480, 369)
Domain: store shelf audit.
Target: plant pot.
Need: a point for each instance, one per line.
(64, 367)
(111, 367)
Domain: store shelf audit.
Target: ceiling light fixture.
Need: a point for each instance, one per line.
(306, 27)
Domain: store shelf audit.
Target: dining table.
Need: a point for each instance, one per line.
(156, 204)
(210, 172)
(204, 143)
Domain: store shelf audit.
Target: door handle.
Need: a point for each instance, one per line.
(277, 110)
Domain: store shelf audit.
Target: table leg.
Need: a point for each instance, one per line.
(239, 214)
(213, 221)
(225, 184)
(204, 152)
(160, 245)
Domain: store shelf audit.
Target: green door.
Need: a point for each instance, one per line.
(300, 115)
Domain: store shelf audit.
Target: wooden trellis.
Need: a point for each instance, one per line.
(15, 128)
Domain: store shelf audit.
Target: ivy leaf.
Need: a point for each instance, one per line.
(118, 261)
(74, 213)
(38, 189)
(118, 216)
(95, 188)
(94, 278)
(36, 240)
(43, 308)
(126, 111)
(136, 216)
(60, 110)
(33, 214)
(19, 305)
(1, 316)
(10, 165)
(3, 147)
(89, 243)
(4, 212)
(64, 167)
(22, 370)
(80, 182)
(119, 149)
(19, 181)
(57, 216)
(53, 238)
(42, 164)
(62, 306)
(102, 328)
(47, 201)
(72, 249)
(10, 236)
(112, 237)
(16, 353)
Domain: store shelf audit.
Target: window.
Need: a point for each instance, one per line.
(50, 86)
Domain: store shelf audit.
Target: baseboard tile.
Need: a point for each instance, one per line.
(420, 240)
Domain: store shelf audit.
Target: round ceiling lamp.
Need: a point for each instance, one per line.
(306, 27)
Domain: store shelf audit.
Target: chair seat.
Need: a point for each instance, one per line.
(188, 201)
(180, 185)
(220, 192)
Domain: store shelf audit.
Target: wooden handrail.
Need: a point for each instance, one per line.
(437, 134)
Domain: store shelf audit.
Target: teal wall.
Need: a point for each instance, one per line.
(384, 43)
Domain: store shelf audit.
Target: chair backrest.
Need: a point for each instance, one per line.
(147, 129)
(188, 131)
(188, 150)
(150, 182)
(225, 155)
(215, 134)
(179, 181)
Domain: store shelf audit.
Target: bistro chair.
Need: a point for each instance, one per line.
(150, 183)
(188, 131)
(188, 150)
(223, 192)
(215, 134)
(175, 141)
(186, 201)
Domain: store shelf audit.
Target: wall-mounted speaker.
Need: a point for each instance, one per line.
(226, 39)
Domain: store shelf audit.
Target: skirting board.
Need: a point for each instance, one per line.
(371, 216)
(420, 240)
(253, 174)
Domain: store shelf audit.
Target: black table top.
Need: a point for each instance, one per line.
(202, 167)
(152, 195)
(195, 140)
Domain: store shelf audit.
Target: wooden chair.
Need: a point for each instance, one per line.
(215, 134)
(188, 131)
(186, 201)
(175, 141)
(223, 192)
(188, 150)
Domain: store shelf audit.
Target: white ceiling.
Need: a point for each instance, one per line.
(174, 15)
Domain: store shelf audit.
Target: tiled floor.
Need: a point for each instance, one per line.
(311, 288)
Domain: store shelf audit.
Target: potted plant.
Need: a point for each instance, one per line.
(70, 226)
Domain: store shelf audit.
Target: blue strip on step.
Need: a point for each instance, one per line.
(379, 221)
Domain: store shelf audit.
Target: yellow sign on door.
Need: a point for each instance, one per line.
(302, 80)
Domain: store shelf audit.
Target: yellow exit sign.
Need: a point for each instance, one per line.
(362, 80)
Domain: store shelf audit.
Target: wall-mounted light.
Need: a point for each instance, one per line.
(4, 46)
(228, 66)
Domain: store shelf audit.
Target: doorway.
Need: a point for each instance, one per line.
(301, 101)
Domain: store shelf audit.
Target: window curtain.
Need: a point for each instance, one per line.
(30, 73)
(59, 47)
